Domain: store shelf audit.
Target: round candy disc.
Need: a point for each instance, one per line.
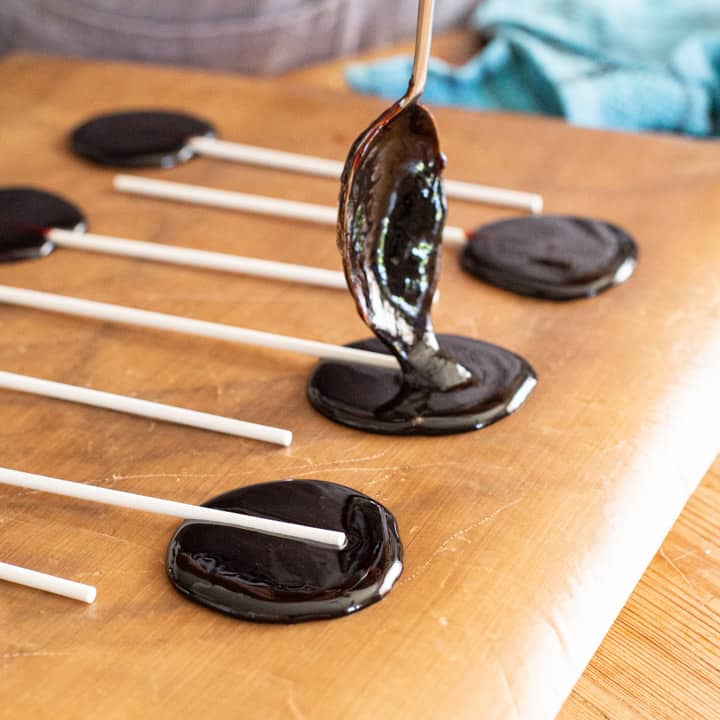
(376, 400)
(25, 217)
(551, 256)
(268, 579)
(139, 138)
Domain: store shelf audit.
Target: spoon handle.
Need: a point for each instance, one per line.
(423, 41)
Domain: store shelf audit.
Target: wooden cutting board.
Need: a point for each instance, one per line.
(522, 540)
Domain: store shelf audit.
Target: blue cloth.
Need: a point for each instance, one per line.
(626, 64)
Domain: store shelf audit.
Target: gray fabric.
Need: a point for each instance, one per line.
(249, 36)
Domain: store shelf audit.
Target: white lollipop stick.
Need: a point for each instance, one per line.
(144, 408)
(48, 583)
(227, 199)
(256, 204)
(309, 165)
(471, 192)
(196, 258)
(176, 323)
(119, 498)
(266, 157)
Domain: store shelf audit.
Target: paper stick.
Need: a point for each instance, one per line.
(48, 583)
(256, 204)
(144, 408)
(197, 258)
(175, 323)
(145, 503)
(309, 165)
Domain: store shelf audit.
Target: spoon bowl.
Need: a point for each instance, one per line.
(391, 218)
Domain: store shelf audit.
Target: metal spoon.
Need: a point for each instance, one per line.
(391, 217)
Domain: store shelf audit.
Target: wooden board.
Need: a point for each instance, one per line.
(523, 541)
(660, 659)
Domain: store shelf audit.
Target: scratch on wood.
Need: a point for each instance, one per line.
(592, 707)
(514, 708)
(672, 564)
(297, 471)
(31, 653)
(292, 706)
(447, 544)
(709, 601)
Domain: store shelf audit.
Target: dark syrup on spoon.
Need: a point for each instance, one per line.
(267, 579)
(392, 214)
(391, 218)
(26, 215)
(139, 138)
(557, 257)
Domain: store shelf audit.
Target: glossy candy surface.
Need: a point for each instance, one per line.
(267, 579)
(378, 400)
(141, 138)
(391, 219)
(392, 213)
(558, 257)
(25, 217)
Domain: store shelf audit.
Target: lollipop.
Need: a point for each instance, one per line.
(275, 580)
(246, 521)
(557, 257)
(152, 138)
(256, 552)
(33, 223)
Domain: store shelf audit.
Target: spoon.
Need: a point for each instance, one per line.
(390, 223)
(390, 229)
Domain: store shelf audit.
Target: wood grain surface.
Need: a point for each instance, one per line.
(661, 658)
(523, 541)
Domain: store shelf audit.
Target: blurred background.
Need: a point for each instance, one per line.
(247, 36)
(622, 64)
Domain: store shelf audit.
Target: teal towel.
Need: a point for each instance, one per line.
(625, 64)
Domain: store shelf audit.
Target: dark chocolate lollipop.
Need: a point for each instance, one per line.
(507, 254)
(33, 222)
(153, 138)
(392, 213)
(26, 216)
(269, 579)
(553, 256)
(139, 138)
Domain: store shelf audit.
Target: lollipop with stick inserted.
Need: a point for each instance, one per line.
(34, 222)
(284, 551)
(391, 218)
(556, 257)
(153, 138)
